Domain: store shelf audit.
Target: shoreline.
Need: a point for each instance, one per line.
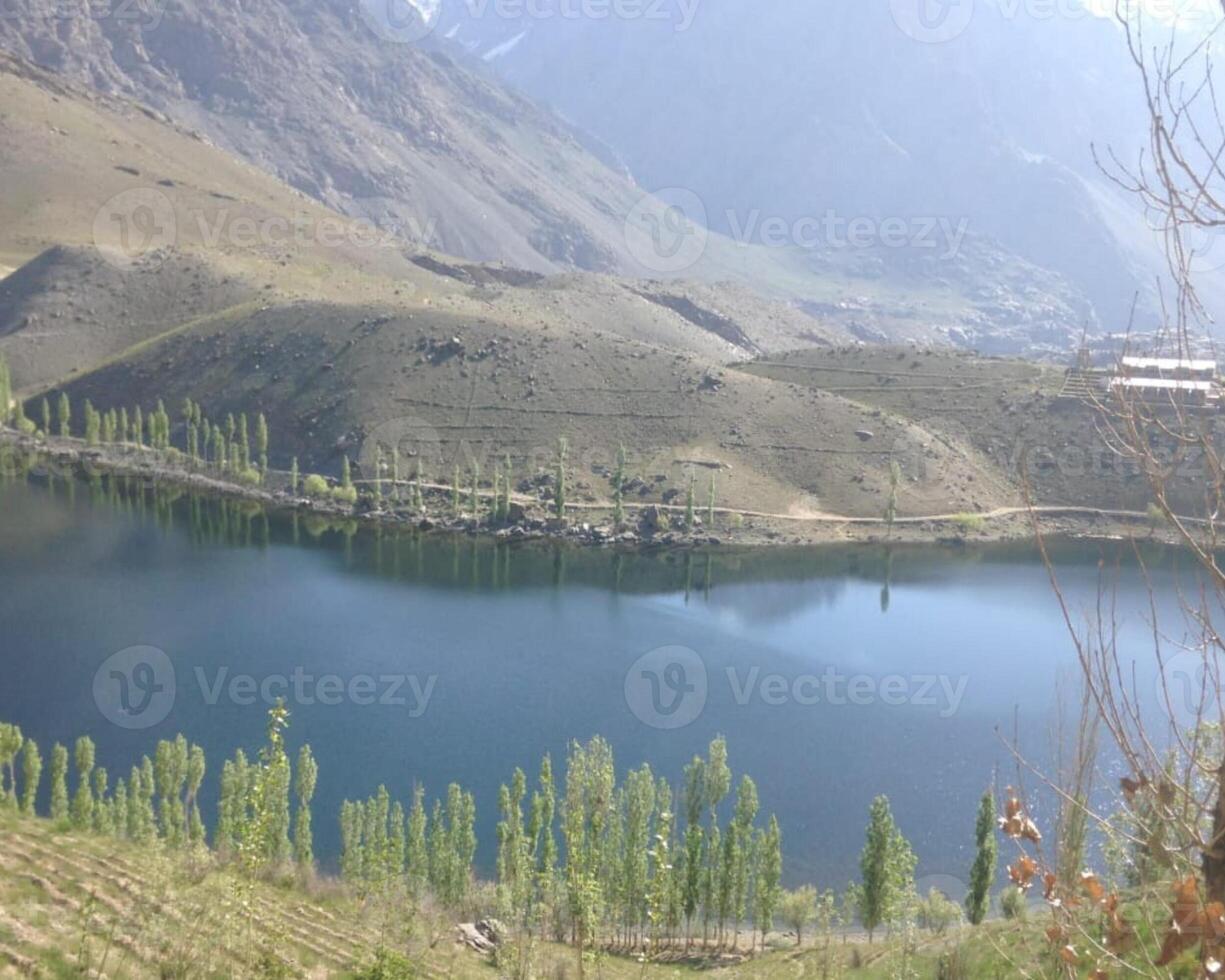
(753, 530)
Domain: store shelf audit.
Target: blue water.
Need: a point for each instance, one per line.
(493, 656)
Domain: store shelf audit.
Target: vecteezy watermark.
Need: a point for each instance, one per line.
(1186, 690)
(300, 688)
(145, 15)
(401, 21)
(668, 688)
(137, 688)
(679, 13)
(939, 21)
(135, 225)
(831, 230)
(139, 225)
(932, 21)
(666, 231)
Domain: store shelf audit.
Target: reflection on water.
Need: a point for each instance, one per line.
(835, 673)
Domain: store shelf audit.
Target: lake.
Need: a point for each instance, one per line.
(835, 674)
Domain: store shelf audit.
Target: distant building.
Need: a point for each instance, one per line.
(1192, 382)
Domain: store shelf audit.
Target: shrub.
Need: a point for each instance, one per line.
(1013, 904)
(315, 486)
(346, 495)
(969, 522)
(387, 966)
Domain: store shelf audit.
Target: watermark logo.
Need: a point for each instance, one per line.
(135, 226)
(932, 21)
(401, 21)
(1205, 249)
(679, 13)
(135, 688)
(666, 688)
(666, 231)
(145, 15)
(307, 690)
(411, 440)
(1186, 690)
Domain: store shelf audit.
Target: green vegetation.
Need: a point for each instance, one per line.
(982, 874)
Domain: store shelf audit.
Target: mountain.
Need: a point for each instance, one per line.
(783, 110)
(425, 142)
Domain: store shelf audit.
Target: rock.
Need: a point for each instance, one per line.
(516, 513)
(865, 435)
(650, 520)
(471, 936)
(425, 524)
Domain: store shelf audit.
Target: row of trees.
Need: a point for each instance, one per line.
(158, 799)
(382, 846)
(624, 863)
(628, 873)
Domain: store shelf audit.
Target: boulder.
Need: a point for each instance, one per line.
(650, 520)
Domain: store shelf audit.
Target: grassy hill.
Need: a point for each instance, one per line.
(75, 905)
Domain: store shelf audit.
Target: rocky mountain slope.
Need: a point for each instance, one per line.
(421, 140)
(772, 109)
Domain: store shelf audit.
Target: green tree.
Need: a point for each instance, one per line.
(305, 779)
(261, 442)
(293, 476)
(559, 479)
(59, 783)
(83, 803)
(64, 415)
(982, 872)
(798, 908)
(710, 503)
(46, 413)
(11, 741)
(690, 503)
(586, 809)
(886, 868)
(895, 479)
(619, 487)
(6, 392)
(31, 776)
(769, 875)
(416, 853)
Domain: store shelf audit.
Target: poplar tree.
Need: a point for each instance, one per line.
(31, 776)
(619, 487)
(695, 779)
(59, 783)
(194, 778)
(101, 812)
(46, 412)
(64, 415)
(120, 824)
(305, 778)
(6, 392)
(93, 424)
(83, 803)
(590, 778)
(261, 442)
(559, 488)
(886, 868)
(10, 745)
(769, 875)
(982, 872)
(690, 503)
(416, 853)
(742, 832)
(293, 476)
(138, 427)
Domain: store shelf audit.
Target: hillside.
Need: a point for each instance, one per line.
(996, 120)
(422, 141)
